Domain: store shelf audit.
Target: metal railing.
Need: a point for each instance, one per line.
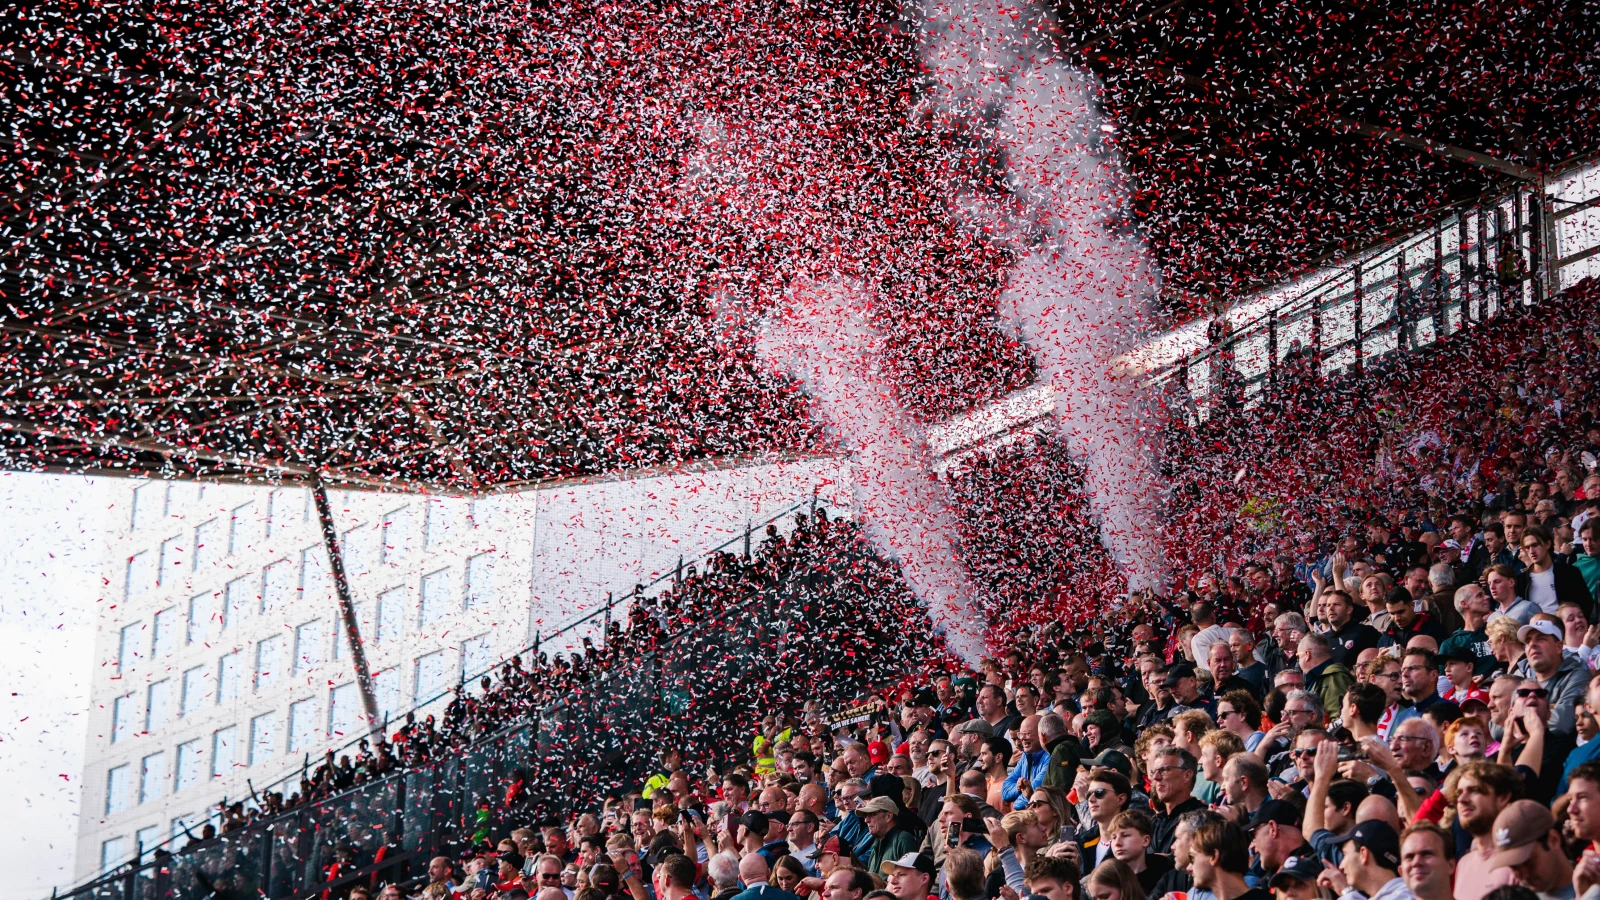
(1474, 262)
(144, 856)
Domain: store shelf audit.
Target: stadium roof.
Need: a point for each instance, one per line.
(464, 247)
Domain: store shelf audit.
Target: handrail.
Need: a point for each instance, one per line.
(814, 503)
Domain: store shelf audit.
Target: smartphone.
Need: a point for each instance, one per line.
(1346, 754)
(953, 839)
(974, 825)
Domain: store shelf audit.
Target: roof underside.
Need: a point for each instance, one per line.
(466, 246)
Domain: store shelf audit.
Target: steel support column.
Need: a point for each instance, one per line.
(347, 608)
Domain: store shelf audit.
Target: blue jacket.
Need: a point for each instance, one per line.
(852, 831)
(1032, 766)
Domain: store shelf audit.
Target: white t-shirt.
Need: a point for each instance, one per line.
(1542, 589)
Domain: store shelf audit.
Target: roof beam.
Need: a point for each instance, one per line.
(1436, 148)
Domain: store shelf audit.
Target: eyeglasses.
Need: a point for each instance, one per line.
(1539, 693)
(1162, 771)
(1098, 794)
(1224, 713)
(549, 876)
(1303, 751)
(1298, 712)
(1410, 739)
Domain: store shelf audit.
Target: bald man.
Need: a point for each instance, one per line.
(1032, 766)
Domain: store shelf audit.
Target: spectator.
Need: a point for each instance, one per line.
(1483, 790)
(1528, 843)
(1563, 677)
(910, 877)
(1427, 861)
(1051, 878)
(1113, 880)
(1297, 879)
(1240, 714)
(1346, 636)
(1546, 581)
(1276, 838)
(1030, 769)
(1108, 794)
(1369, 864)
(1130, 844)
(1250, 667)
(889, 841)
(1218, 859)
(1326, 677)
(1503, 581)
(1185, 687)
(1172, 779)
(1419, 682)
(1244, 784)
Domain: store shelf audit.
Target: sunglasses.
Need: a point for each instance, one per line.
(1540, 693)
(1303, 751)
(1098, 793)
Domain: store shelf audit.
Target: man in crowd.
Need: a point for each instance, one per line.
(1346, 637)
(1325, 676)
(1172, 776)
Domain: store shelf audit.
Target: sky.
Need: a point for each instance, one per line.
(51, 531)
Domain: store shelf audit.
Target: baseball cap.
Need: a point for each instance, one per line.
(878, 752)
(975, 726)
(831, 845)
(1298, 868)
(924, 697)
(1460, 653)
(1177, 672)
(1382, 842)
(1111, 759)
(1516, 829)
(922, 862)
(1280, 811)
(1543, 626)
(756, 821)
(877, 805)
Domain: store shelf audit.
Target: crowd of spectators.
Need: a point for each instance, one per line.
(1376, 679)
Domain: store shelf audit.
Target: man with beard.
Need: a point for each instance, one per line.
(1483, 790)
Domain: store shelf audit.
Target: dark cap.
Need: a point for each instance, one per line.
(924, 697)
(756, 821)
(1177, 672)
(1298, 868)
(1105, 720)
(1460, 653)
(1379, 839)
(1115, 760)
(1280, 811)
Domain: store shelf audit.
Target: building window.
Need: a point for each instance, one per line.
(244, 530)
(440, 522)
(308, 646)
(277, 586)
(202, 618)
(147, 839)
(263, 737)
(112, 852)
(344, 711)
(386, 690)
(118, 782)
(285, 509)
(158, 705)
(163, 632)
(303, 725)
(224, 743)
(128, 647)
(316, 579)
(356, 550)
(141, 575)
(207, 544)
(172, 562)
(189, 769)
(181, 826)
(480, 582)
(149, 504)
(269, 661)
(395, 543)
(476, 657)
(152, 776)
(194, 691)
(229, 675)
(239, 598)
(121, 718)
(438, 594)
(391, 622)
(432, 676)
